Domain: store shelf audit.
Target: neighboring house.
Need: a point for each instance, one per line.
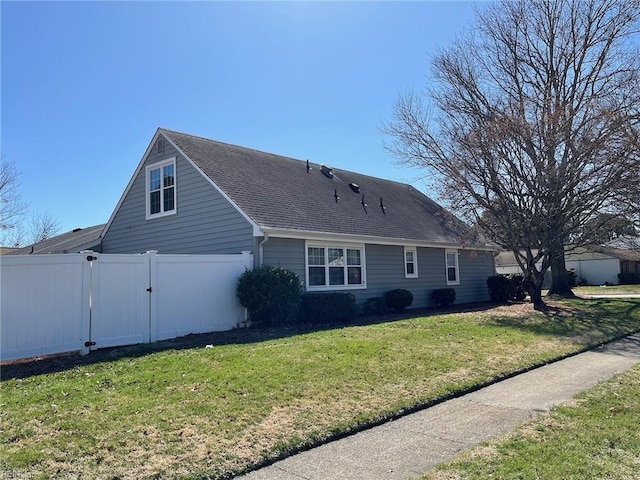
(338, 230)
(77, 240)
(593, 265)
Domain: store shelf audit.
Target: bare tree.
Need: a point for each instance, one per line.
(12, 208)
(531, 125)
(43, 226)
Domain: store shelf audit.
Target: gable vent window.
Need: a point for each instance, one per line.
(161, 188)
(160, 145)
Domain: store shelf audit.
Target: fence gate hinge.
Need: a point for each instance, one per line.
(90, 258)
(89, 344)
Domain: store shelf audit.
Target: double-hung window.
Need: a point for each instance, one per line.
(410, 262)
(451, 262)
(161, 188)
(335, 267)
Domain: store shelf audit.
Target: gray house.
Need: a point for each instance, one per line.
(338, 230)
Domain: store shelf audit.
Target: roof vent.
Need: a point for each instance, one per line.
(326, 171)
(354, 187)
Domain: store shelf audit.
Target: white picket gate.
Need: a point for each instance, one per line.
(60, 303)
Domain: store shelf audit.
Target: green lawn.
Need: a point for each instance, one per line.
(180, 410)
(595, 436)
(608, 290)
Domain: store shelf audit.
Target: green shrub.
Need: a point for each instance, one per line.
(398, 299)
(503, 288)
(323, 308)
(269, 294)
(518, 291)
(443, 296)
(629, 278)
(500, 287)
(375, 306)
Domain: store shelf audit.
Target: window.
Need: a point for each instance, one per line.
(161, 188)
(451, 260)
(334, 267)
(410, 262)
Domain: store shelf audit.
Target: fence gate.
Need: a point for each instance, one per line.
(119, 300)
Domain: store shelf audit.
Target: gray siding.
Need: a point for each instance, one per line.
(385, 270)
(205, 222)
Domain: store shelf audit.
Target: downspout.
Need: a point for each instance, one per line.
(261, 249)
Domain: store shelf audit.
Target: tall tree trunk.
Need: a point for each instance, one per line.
(559, 278)
(533, 285)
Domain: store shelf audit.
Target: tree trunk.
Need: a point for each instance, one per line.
(559, 278)
(533, 286)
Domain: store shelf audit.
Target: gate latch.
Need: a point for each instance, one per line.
(150, 289)
(91, 258)
(89, 344)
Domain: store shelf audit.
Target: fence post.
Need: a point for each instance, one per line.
(87, 272)
(152, 258)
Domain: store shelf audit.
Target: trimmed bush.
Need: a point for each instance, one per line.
(500, 287)
(375, 306)
(629, 278)
(398, 299)
(269, 294)
(327, 308)
(518, 291)
(503, 288)
(443, 296)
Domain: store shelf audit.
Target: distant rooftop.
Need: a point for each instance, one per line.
(74, 241)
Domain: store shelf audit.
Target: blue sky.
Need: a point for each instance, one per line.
(86, 84)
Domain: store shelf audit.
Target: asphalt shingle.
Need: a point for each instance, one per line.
(278, 192)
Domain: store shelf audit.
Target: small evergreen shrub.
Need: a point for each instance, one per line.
(503, 288)
(518, 291)
(629, 278)
(443, 296)
(375, 306)
(398, 299)
(269, 294)
(500, 287)
(327, 308)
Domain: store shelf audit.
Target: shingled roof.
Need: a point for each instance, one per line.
(281, 193)
(69, 242)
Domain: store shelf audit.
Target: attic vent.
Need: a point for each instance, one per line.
(160, 145)
(76, 230)
(326, 171)
(354, 187)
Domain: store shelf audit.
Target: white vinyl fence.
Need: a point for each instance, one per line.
(85, 301)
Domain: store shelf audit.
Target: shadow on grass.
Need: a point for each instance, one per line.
(589, 322)
(58, 363)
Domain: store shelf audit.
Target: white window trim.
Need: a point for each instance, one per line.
(331, 288)
(446, 267)
(155, 166)
(414, 250)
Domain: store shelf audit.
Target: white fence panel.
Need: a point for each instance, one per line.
(43, 304)
(119, 300)
(196, 294)
(60, 303)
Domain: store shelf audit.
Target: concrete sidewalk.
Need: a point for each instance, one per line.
(411, 446)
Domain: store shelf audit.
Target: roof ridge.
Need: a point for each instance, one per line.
(286, 157)
(231, 144)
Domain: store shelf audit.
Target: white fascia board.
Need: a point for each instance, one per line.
(333, 237)
(257, 231)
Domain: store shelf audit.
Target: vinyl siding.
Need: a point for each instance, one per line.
(205, 222)
(385, 270)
